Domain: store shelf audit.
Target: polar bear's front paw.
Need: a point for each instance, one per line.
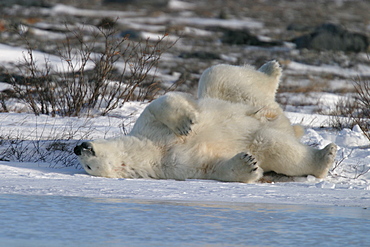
(184, 126)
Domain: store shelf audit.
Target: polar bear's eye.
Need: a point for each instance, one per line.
(88, 167)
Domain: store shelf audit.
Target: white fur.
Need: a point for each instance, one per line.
(215, 137)
(244, 84)
(241, 84)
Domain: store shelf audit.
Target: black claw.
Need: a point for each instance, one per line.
(254, 169)
(248, 157)
(185, 130)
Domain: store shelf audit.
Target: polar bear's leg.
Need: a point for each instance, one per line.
(178, 111)
(284, 154)
(274, 116)
(241, 168)
(298, 130)
(242, 84)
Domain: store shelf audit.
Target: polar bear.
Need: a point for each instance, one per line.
(179, 137)
(245, 84)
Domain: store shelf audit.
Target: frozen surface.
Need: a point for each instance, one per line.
(77, 221)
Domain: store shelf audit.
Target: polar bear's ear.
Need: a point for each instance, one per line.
(271, 69)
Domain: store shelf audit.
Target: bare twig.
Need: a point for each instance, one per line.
(123, 70)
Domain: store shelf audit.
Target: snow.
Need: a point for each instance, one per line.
(69, 10)
(180, 5)
(340, 188)
(199, 22)
(39, 179)
(360, 70)
(12, 55)
(133, 17)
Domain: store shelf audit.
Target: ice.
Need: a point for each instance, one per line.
(77, 221)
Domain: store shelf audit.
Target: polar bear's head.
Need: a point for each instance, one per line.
(101, 158)
(123, 157)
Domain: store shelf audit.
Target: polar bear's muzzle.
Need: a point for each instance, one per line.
(84, 148)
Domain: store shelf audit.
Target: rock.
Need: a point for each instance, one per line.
(27, 3)
(131, 34)
(138, 2)
(244, 37)
(200, 55)
(332, 37)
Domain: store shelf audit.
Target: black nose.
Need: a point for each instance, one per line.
(77, 150)
(85, 146)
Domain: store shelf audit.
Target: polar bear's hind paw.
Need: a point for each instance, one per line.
(326, 160)
(246, 169)
(272, 69)
(330, 152)
(249, 161)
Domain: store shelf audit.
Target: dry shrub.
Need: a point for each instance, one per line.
(354, 109)
(53, 146)
(123, 70)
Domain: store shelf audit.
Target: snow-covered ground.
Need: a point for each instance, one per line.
(347, 185)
